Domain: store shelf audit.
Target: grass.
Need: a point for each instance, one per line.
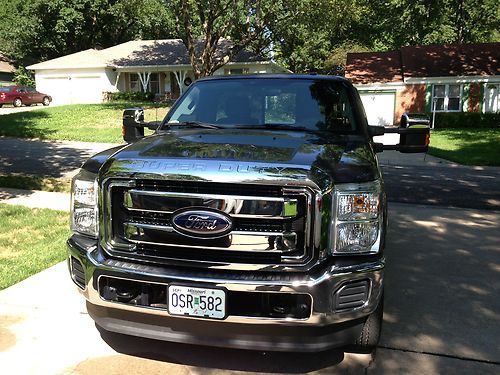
(76, 122)
(35, 183)
(31, 240)
(467, 146)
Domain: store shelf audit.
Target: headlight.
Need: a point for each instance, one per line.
(84, 204)
(357, 219)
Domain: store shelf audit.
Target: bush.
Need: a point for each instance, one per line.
(466, 120)
(23, 77)
(130, 96)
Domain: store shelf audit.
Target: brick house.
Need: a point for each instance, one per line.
(441, 78)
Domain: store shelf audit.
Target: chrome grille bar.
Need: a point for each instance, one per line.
(140, 227)
(236, 206)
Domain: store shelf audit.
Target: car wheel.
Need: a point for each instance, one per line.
(46, 101)
(370, 334)
(17, 102)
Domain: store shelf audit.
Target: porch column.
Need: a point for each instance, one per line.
(117, 79)
(144, 77)
(180, 76)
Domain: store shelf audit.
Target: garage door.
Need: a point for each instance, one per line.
(57, 87)
(72, 90)
(379, 107)
(86, 89)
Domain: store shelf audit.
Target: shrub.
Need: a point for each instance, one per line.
(23, 77)
(130, 96)
(466, 120)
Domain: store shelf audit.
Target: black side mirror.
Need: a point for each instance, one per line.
(133, 124)
(413, 139)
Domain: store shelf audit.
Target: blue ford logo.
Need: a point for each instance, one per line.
(203, 224)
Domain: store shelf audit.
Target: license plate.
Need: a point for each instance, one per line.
(199, 302)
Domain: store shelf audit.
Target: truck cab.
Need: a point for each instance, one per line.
(254, 217)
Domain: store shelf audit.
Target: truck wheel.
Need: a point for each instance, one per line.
(17, 102)
(370, 334)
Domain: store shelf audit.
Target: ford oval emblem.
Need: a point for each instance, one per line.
(202, 223)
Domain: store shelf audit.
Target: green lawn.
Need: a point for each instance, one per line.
(43, 183)
(467, 146)
(31, 240)
(77, 122)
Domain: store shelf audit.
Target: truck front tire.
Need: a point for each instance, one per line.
(370, 333)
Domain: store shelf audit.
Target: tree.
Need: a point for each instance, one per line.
(318, 29)
(215, 31)
(44, 29)
(421, 22)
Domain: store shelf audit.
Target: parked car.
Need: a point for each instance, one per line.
(19, 95)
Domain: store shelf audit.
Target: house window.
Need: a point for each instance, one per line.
(236, 71)
(135, 84)
(154, 83)
(492, 97)
(447, 98)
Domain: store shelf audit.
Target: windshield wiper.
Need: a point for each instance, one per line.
(286, 127)
(193, 124)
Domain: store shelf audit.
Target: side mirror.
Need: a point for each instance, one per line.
(133, 124)
(413, 139)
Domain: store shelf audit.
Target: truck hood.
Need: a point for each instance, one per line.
(246, 155)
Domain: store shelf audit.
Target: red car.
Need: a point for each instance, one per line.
(19, 95)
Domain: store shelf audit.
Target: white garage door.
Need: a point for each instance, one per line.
(57, 87)
(72, 90)
(86, 89)
(379, 107)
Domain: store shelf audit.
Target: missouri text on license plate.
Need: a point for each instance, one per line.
(200, 302)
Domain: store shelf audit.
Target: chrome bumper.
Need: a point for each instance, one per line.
(321, 286)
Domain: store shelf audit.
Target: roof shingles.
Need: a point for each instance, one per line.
(166, 52)
(424, 61)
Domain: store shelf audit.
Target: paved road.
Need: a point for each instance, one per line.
(50, 158)
(443, 185)
(5, 109)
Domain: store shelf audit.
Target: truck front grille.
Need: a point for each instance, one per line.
(272, 225)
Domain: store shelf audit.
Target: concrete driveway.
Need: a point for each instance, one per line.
(442, 315)
(6, 109)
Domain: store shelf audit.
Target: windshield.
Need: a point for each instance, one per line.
(292, 103)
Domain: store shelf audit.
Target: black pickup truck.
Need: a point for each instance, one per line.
(254, 217)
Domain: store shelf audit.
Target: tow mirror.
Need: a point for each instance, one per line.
(133, 124)
(413, 139)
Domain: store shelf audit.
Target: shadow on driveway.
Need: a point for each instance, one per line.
(226, 359)
(34, 157)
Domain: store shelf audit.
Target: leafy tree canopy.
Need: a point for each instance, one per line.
(302, 35)
(44, 29)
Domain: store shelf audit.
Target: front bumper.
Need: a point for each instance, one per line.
(324, 328)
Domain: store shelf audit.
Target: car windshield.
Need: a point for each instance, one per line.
(300, 104)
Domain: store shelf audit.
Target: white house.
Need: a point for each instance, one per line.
(158, 66)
